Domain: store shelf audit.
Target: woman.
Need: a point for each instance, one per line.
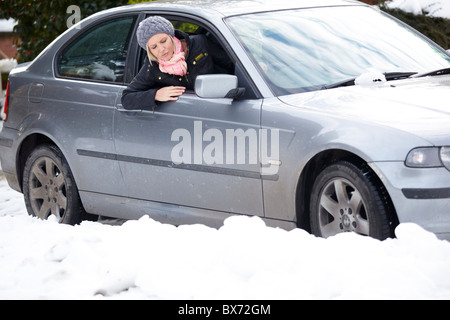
(174, 59)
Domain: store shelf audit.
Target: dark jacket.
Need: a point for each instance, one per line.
(140, 94)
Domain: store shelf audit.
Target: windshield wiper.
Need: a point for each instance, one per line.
(344, 83)
(398, 75)
(433, 73)
(351, 82)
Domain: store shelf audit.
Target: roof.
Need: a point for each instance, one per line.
(235, 7)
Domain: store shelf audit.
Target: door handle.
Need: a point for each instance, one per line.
(120, 108)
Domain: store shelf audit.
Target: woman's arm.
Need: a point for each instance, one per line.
(140, 94)
(169, 93)
(143, 93)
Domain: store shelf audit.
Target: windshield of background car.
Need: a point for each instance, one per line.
(307, 49)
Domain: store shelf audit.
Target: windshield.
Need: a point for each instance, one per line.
(307, 49)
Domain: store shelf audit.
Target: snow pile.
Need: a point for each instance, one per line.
(6, 65)
(7, 25)
(242, 260)
(434, 8)
(2, 103)
(371, 77)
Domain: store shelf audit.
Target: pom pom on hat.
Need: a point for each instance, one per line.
(151, 26)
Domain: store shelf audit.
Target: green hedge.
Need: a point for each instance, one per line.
(437, 29)
(40, 22)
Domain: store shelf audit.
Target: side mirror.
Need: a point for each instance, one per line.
(218, 86)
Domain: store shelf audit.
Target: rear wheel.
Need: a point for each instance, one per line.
(346, 198)
(49, 187)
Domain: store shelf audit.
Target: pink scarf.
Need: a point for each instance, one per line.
(177, 65)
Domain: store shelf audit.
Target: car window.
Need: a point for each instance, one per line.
(222, 62)
(306, 50)
(186, 26)
(100, 53)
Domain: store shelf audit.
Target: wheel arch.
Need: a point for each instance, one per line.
(312, 169)
(27, 146)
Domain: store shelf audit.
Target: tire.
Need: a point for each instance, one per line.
(347, 198)
(49, 187)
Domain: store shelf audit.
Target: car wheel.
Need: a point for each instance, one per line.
(347, 198)
(49, 187)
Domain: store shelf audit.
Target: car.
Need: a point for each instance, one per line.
(331, 116)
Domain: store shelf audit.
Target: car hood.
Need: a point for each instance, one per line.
(418, 106)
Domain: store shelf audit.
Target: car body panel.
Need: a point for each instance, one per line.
(432, 213)
(146, 159)
(308, 132)
(414, 106)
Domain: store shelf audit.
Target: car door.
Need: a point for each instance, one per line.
(196, 153)
(90, 72)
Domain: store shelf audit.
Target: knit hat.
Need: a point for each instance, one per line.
(151, 26)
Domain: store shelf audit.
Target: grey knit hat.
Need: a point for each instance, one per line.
(151, 26)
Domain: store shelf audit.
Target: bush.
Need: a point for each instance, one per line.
(40, 22)
(437, 29)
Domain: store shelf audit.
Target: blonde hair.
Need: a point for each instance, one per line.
(151, 57)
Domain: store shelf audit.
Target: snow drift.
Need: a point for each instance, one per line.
(242, 260)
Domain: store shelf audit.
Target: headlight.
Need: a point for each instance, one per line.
(445, 156)
(425, 158)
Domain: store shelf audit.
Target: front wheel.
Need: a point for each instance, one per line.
(49, 187)
(346, 198)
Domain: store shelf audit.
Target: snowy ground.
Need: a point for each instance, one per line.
(242, 260)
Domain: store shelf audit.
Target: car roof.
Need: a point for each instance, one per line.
(235, 7)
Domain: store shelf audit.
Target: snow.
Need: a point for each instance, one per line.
(6, 65)
(435, 8)
(244, 259)
(371, 77)
(7, 25)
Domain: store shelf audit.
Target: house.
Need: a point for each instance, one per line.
(7, 48)
(8, 51)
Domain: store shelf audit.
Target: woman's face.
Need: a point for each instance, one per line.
(161, 46)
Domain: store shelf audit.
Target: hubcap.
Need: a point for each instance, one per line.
(47, 189)
(342, 209)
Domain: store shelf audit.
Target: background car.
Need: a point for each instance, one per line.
(333, 117)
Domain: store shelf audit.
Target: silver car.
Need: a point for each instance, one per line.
(334, 117)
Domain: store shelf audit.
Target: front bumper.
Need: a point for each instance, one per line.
(420, 196)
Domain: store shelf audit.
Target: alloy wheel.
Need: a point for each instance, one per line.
(342, 209)
(47, 189)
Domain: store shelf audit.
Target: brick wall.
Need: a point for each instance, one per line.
(7, 45)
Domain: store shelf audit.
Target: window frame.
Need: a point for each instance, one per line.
(89, 28)
(243, 77)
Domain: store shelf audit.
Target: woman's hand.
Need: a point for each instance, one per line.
(169, 93)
